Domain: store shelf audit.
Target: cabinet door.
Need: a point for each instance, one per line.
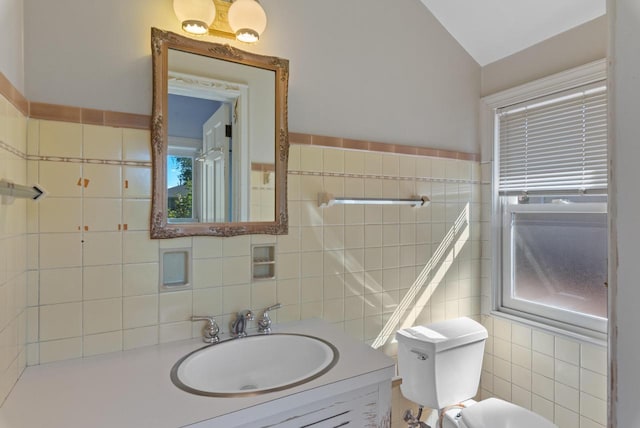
(357, 409)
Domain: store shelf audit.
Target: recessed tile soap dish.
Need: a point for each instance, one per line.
(175, 269)
(263, 260)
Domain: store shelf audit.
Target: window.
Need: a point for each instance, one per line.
(180, 188)
(551, 195)
(555, 261)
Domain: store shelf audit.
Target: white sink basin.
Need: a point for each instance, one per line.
(254, 365)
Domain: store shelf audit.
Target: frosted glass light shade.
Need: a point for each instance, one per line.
(195, 16)
(247, 20)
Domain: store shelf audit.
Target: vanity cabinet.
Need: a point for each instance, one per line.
(133, 389)
(366, 407)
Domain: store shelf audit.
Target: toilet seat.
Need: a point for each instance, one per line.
(496, 413)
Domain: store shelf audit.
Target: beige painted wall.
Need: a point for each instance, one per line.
(11, 42)
(583, 44)
(395, 76)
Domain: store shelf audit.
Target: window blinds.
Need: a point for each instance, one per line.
(555, 143)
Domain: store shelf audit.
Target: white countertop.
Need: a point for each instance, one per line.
(133, 388)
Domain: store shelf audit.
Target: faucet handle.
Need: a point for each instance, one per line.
(264, 323)
(211, 329)
(273, 307)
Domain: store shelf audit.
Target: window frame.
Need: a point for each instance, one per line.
(489, 106)
(526, 308)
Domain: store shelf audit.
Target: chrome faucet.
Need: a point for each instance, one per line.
(239, 326)
(264, 323)
(210, 330)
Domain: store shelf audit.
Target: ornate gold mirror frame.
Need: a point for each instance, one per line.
(161, 42)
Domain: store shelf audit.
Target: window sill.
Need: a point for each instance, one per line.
(557, 329)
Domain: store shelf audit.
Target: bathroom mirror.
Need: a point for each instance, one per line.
(219, 139)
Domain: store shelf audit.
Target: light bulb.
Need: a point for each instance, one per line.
(195, 16)
(247, 20)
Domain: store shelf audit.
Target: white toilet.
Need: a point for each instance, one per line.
(440, 365)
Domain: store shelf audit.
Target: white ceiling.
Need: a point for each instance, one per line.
(493, 29)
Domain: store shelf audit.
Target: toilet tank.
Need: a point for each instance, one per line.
(440, 363)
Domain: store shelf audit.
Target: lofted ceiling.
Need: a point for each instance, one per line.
(490, 30)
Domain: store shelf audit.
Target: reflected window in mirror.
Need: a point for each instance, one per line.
(180, 187)
(220, 139)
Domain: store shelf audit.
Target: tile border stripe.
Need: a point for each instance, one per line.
(88, 116)
(384, 177)
(345, 143)
(89, 161)
(13, 150)
(13, 95)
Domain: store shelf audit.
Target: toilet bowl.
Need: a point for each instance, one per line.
(440, 365)
(493, 413)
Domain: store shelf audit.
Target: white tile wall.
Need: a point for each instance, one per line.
(13, 251)
(562, 379)
(262, 195)
(353, 266)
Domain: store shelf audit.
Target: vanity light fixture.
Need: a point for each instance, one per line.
(243, 20)
(195, 16)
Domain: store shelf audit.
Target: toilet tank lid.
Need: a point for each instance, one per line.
(444, 334)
